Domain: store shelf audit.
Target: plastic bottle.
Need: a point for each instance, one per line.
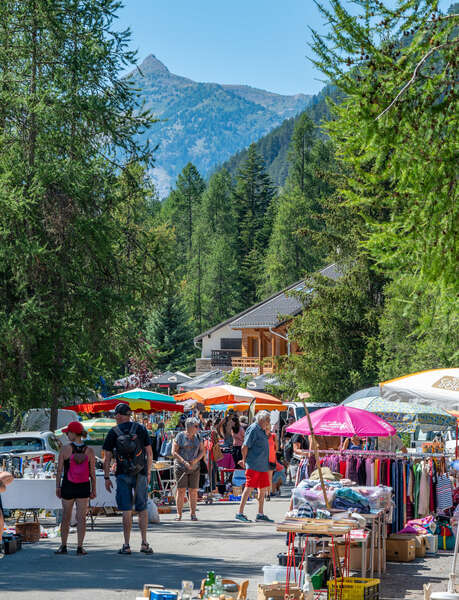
(308, 589)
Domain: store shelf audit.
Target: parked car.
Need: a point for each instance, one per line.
(42, 446)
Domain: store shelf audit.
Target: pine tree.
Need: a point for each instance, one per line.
(299, 154)
(182, 207)
(295, 248)
(252, 198)
(220, 270)
(77, 245)
(168, 335)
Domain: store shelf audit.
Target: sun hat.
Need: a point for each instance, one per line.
(75, 427)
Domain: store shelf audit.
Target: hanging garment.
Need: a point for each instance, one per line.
(444, 492)
(424, 491)
(368, 470)
(361, 472)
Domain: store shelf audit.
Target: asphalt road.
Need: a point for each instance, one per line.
(183, 550)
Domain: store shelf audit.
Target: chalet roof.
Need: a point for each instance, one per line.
(273, 311)
(266, 313)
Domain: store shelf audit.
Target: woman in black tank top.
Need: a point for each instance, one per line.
(75, 483)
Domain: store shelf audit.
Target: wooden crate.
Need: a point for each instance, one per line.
(29, 531)
(277, 591)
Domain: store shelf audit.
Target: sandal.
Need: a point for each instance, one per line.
(194, 518)
(146, 549)
(178, 519)
(125, 549)
(61, 550)
(81, 550)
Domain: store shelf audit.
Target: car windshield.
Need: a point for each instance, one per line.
(21, 444)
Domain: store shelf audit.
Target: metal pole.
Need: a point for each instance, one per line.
(315, 448)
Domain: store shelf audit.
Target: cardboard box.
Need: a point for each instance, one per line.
(355, 556)
(419, 540)
(400, 550)
(277, 591)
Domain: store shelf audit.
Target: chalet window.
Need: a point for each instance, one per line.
(230, 343)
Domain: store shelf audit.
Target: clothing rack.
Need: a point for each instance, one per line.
(381, 454)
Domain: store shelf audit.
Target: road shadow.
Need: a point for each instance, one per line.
(37, 569)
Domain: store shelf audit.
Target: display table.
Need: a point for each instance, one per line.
(40, 494)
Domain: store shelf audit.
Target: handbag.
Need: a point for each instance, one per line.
(217, 452)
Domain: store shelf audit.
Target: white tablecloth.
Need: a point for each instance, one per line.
(41, 494)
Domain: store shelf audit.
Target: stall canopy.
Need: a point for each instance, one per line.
(226, 394)
(343, 421)
(205, 380)
(139, 401)
(406, 417)
(169, 379)
(439, 387)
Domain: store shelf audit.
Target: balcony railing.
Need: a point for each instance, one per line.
(222, 358)
(253, 364)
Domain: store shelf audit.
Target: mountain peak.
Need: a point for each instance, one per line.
(151, 65)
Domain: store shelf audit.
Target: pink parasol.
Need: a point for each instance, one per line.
(343, 421)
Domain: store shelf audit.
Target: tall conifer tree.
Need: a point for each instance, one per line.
(77, 247)
(253, 195)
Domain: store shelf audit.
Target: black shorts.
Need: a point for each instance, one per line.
(272, 466)
(71, 491)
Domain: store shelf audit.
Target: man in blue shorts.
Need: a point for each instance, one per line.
(129, 443)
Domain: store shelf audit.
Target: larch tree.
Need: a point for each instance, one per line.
(77, 246)
(253, 195)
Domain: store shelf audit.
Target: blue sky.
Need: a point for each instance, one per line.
(262, 43)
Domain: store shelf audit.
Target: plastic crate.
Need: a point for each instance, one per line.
(317, 578)
(353, 588)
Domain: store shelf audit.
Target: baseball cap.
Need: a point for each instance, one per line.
(122, 409)
(74, 427)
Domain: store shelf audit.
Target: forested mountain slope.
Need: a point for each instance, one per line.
(273, 147)
(204, 123)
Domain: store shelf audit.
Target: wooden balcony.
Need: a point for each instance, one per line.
(253, 365)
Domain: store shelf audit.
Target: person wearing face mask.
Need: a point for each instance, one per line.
(75, 483)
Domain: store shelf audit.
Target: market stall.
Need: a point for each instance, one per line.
(398, 505)
(40, 494)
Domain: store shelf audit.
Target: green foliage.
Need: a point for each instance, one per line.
(81, 254)
(339, 320)
(182, 207)
(237, 378)
(419, 329)
(397, 129)
(253, 195)
(168, 335)
(295, 247)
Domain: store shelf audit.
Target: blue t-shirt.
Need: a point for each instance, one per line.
(257, 443)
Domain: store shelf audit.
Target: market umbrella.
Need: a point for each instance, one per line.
(139, 401)
(343, 421)
(438, 387)
(406, 416)
(243, 406)
(225, 394)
